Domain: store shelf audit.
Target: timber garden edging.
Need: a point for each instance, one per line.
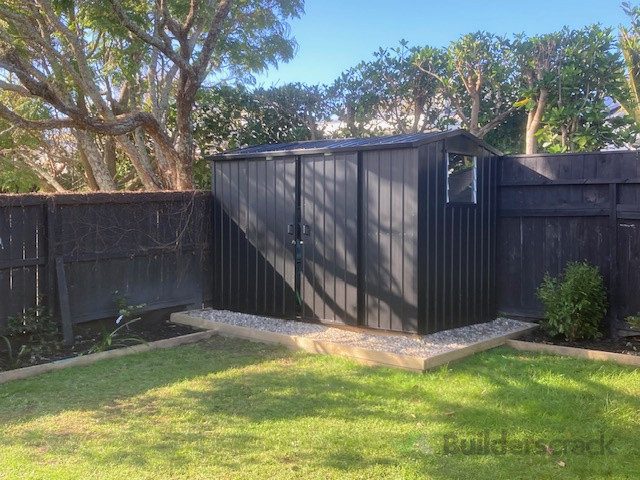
(619, 358)
(83, 360)
(363, 355)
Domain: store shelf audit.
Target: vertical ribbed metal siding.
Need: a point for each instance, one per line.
(457, 243)
(384, 248)
(329, 207)
(254, 201)
(390, 243)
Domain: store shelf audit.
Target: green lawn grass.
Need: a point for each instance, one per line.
(232, 409)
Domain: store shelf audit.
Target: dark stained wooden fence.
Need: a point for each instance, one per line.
(76, 254)
(155, 248)
(558, 208)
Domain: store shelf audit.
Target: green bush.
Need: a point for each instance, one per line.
(575, 303)
(634, 320)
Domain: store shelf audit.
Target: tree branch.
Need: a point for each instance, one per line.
(194, 6)
(145, 37)
(121, 125)
(495, 122)
(209, 42)
(447, 93)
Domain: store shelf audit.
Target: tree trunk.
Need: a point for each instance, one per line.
(142, 166)
(418, 109)
(51, 183)
(95, 161)
(531, 146)
(164, 168)
(351, 122)
(185, 100)
(313, 128)
(533, 122)
(475, 114)
(84, 158)
(110, 155)
(88, 171)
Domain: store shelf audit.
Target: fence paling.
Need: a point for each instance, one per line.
(150, 248)
(154, 248)
(558, 208)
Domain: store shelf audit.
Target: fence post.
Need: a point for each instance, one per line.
(51, 255)
(63, 298)
(613, 260)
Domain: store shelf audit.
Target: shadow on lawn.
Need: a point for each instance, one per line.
(105, 383)
(519, 393)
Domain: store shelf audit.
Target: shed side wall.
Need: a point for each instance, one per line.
(457, 242)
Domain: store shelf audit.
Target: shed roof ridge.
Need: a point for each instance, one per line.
(342, 144)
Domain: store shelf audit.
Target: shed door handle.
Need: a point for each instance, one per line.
(306, 230)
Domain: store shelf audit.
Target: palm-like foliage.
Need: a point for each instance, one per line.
(630, 46)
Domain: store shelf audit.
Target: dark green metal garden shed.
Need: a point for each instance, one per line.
(394, 233)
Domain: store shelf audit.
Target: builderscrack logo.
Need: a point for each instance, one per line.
(490, 443)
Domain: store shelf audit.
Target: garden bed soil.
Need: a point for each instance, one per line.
(88, 335)
(625, 345)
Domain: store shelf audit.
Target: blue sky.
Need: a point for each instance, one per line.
(334, 35)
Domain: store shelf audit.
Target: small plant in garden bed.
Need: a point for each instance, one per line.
(634, 320)
(113, 338)
(21, 349)
(37, 326)
(12, 359)
(32, 334)
(575, 303)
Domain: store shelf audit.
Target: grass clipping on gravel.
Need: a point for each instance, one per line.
(232, 409)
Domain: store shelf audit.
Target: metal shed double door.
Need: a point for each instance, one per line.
(289, 236)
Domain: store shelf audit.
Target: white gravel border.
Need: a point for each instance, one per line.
(424, 347)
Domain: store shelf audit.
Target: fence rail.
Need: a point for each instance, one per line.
(76, 254)
(73, 253)
(558, 208)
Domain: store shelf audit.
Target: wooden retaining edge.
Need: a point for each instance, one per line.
(362, 355)
(619, 358)
(21, 373)
(469, 350)
(310, 345)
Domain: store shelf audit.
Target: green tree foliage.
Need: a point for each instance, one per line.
(232, 116)
(629, 41)
(554, 91)
(570, 79)
(302, 107)
(509, 136)
(479, 79)
(407, 98)
(111, 71)
(353, 101)
(17, 179)
(28, 160)
(590, 77)
(390, 94)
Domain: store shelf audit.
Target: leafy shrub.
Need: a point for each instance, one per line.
(575, 303)
(38, 326)
(634, 320)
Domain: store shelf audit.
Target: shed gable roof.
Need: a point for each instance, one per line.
(346, 144)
